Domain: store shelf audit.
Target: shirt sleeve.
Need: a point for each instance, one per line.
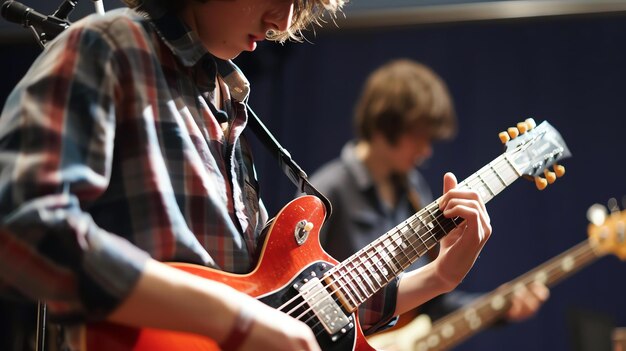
(377, 313)
(56, 149)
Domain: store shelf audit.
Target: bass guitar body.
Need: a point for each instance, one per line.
(291, 257)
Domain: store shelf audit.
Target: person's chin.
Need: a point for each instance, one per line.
(227, 54)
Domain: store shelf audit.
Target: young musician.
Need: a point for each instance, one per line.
(374, 185)
(122, 148)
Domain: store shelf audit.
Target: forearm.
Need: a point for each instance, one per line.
(168, 298)
(419, 286)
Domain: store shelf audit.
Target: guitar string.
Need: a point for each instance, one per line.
(477, 179)
(471, 179)
(465, 184)
(476, 176)
(377, 241)
(351, 259)
(578, 253)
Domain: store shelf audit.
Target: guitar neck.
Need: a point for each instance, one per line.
(370, 269)
(469, 320)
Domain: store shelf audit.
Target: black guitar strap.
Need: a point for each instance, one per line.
(291, 169)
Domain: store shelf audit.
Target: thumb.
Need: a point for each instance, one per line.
(449, 182)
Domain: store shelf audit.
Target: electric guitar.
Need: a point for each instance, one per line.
(296, 276)
(606, 235)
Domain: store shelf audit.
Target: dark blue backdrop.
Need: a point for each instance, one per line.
(569, 71)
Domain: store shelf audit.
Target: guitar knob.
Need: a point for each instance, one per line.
(559, 170)
(550, 176)
(513, 132)
(522, 127)
(309, 226)
(504, 137)
(540, 183)
(531, 123)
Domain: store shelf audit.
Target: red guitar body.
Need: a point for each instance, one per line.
(282, 263)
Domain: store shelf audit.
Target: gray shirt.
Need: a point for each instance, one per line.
(359, 214)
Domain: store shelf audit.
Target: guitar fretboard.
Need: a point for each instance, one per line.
(370, 269)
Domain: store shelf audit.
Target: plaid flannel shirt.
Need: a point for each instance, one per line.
(110, 151)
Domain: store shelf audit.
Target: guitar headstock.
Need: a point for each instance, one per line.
(607, 230)
(533, 149)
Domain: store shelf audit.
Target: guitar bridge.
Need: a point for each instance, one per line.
(321, 302)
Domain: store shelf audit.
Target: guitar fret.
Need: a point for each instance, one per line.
(486, 185)
(374, 263)
(349, 284)
(504, 185)
(368, 274)
(427, 208)
(337, 285)
(519, 174)
(389, 253)
(409, 229)
(389, 265)
(356, 278)
(402, 247)
(428, 231)
(345, 282)
(419, 236)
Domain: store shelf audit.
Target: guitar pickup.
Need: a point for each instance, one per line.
(325, 308)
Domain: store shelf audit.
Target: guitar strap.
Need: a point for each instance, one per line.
(291, 169)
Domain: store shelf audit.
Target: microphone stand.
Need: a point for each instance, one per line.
(51, 26)
(99, 6)
(40, 336)
(59, 17)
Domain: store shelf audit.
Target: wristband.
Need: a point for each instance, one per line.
(240, 330)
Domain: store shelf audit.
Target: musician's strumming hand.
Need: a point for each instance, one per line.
(460, 248)
(275, 330)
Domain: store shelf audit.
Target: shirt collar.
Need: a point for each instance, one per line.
(187, 47)
(355, 166)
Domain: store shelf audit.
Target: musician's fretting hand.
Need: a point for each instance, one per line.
(460, 248)
(458, 251)
(526, 301)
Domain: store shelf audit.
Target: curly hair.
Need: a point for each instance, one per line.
(305, 14)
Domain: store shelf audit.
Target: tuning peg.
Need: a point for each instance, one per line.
(596, 214)
(531, 123)
(550, 176)
(504, 137)
(540, 183)
(612, 205)
(522, 127)
(559, 170)
(513, 132)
